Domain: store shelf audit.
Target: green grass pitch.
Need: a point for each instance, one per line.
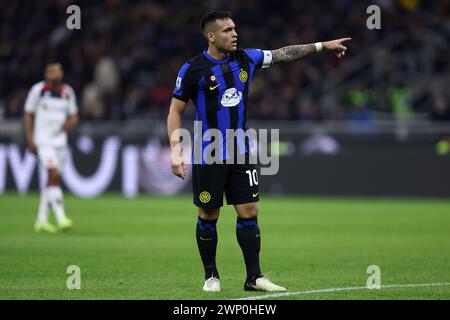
(145, 248)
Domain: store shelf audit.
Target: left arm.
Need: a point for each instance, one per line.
(71, 121)
(296, 52)
(72, 118)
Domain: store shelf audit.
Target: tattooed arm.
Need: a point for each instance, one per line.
(295, 52)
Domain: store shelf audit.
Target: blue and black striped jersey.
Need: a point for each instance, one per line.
(219, 90)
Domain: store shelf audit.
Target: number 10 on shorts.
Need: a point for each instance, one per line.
(252, 177)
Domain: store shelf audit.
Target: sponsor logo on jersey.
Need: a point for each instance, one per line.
(231, 97)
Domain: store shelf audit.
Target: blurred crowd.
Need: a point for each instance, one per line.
(123, 61)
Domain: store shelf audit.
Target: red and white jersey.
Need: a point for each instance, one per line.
(51, 109)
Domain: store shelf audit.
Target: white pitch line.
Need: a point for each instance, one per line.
(285, 294)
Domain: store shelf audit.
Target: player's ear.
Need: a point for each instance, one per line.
(210, 37)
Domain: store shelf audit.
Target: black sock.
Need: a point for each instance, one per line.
(248, 236)
(206, 234)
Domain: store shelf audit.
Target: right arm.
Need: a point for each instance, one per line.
(28, 125)
(28, 121)
(173, 125)
(185, 86)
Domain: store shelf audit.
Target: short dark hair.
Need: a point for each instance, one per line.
(52, 63)
(212, 16)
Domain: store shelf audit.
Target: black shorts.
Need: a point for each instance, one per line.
(238, 181)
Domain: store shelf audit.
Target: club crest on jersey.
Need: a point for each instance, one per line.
(243, 75)
(231, 97)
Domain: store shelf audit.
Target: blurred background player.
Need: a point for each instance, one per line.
(50, 111)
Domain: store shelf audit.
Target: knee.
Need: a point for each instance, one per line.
(208, 214)
(247, 211)
(53, 177)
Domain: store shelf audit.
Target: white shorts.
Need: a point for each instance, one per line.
(51, 157)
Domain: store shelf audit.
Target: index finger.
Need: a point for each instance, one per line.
(345, 39)
(179, 175)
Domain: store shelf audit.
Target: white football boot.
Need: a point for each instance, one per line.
(212, 285)
(263, 284)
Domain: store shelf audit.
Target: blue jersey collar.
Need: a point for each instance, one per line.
(205, 53)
